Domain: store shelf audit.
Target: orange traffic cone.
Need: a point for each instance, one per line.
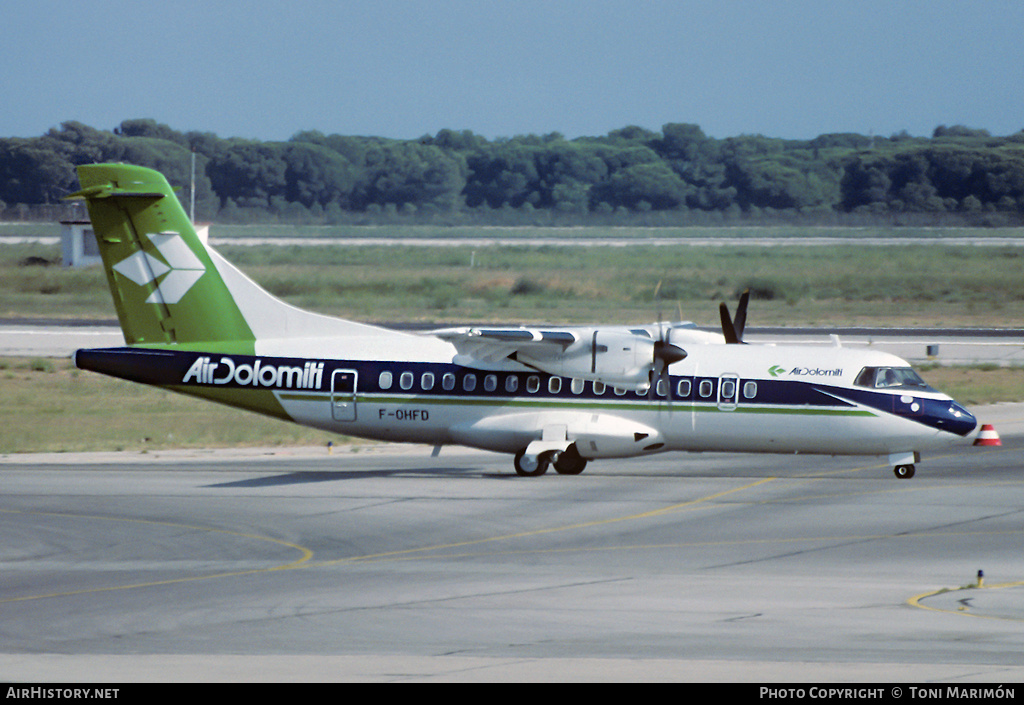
(988, 436)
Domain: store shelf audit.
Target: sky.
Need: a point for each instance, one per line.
(500, 68)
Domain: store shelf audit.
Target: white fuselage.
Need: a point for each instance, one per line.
(721, 398)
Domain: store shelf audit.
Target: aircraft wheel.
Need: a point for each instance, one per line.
(529, 466)
(904, 472)
(570, 462)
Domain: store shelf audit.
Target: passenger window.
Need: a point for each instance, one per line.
(448, 382)
(405, 381)
(490, 383)
(599, 388)
(469, 383)
(555, 385)
(661, 389)
(533, 384)
(683, 389)
(619, 391)
(427, 381)
(728, 389)
(576, 386)
(511, 384)
(385, 380)
(749, 390)
(706, 388)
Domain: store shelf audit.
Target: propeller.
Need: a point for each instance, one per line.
(732, 328)
(665, 353)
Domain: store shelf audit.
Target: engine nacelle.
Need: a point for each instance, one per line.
(617, 358)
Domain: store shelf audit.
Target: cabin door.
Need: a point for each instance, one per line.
(343, 395)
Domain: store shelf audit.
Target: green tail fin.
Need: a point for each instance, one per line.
(165, 285)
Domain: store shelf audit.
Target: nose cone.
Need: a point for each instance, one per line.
(668, 352)
(951, 416)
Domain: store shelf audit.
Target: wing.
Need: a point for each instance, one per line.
(491, 345)
(617, 356)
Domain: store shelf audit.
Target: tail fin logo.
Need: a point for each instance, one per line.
(181, 267)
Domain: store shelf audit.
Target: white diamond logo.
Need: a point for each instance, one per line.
(182, 268)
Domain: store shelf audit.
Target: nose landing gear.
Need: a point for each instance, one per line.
(904, 472)
(903, 463)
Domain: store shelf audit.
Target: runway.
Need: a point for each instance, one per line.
(381, 563)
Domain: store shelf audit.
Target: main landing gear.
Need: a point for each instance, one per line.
(566, 462)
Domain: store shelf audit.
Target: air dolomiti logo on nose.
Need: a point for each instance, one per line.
(776, 370)
(182, 268)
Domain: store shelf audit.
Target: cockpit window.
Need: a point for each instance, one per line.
(891, 378)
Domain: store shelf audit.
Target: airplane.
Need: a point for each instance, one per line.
(549, 396)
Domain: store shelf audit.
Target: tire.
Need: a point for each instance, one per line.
(904, 472)
(570, 462)
(525, 468)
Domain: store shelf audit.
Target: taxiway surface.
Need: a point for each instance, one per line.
(382, 563)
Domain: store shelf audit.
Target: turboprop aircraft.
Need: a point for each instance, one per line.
(550, 396)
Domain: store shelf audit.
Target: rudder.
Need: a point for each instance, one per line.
(165, 285)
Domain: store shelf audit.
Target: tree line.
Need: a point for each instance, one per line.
(631, 176)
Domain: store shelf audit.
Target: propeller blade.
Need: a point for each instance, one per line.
(657, 309)
(740, 322)
(668, 389)
(727, 328)
(659, 368)
(732, 329)
(665, 353)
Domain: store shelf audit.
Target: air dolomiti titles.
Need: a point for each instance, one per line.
(258, 374)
